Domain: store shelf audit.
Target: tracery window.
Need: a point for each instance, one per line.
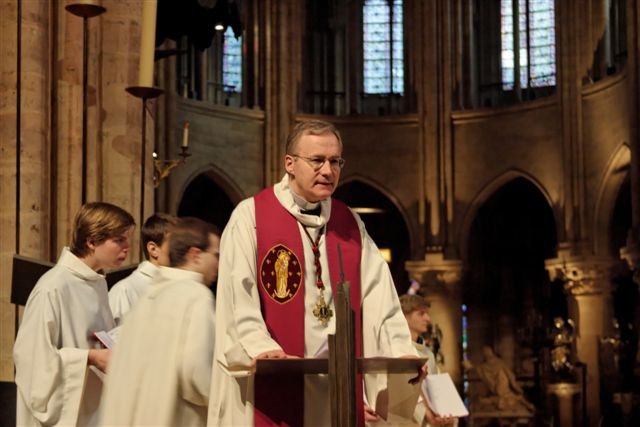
(533, 38)
(232, 62)
(383, 47)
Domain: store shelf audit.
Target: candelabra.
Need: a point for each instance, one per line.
(163, 168)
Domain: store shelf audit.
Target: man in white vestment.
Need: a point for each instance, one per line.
(55, 353)
(416, 311)
(155, 246)
(251, 292)
(161, 368)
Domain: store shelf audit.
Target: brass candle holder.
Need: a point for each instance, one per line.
(163, 168)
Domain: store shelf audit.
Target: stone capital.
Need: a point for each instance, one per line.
(563, 389)
(583, 275)
(435, 273)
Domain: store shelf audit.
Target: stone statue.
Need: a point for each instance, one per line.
(505, 394)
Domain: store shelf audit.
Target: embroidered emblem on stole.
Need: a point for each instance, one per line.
(280, 274)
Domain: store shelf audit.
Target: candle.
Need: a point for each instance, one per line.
(147, 42)
(185, 135)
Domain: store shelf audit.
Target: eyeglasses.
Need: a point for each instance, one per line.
(316, 163)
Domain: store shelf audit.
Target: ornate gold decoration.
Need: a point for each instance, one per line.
(280, 274)
(321, 310)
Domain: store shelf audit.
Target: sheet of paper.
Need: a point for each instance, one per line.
(108, 338)
(442, 396)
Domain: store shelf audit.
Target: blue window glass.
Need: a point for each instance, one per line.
(536, 39)
(232, 62)
(383, 47)
(465, 355)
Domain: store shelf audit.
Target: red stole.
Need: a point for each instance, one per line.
(280, 269)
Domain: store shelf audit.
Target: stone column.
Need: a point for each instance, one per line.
(118, 146)
(8, 115)
(564, 394)
(440, 284)
(588, 284)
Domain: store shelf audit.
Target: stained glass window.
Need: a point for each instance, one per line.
(465, 348)
(536, 39)
(383, 47)
(232, 62)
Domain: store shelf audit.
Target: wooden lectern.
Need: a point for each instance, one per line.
(342, 365)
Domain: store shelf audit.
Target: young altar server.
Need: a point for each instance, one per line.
(161, 368)
(155, 246)
(55, 353)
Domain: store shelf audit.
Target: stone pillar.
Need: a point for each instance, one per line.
(440, 284)
(118, 115)
(283, 29)
(8, 114)
(588, 284)
(564, 404)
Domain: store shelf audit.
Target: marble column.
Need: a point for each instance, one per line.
(439, 279)
(587, 281)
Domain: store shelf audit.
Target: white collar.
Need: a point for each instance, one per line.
(147, 268)
(78, 267)
(181, 274)
(295, 204)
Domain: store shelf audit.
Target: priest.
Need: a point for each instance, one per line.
(278, 267)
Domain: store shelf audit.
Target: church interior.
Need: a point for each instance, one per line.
(492, 150)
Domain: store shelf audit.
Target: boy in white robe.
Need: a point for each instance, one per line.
(415, 309)
(55, 353)
(161, 367)
(313, 162)
(155, 246)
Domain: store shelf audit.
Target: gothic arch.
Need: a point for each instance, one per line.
(511, 233)
(218, 177)
(485, 194)
(209, 195)
(611, 184)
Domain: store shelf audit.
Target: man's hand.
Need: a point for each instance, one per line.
(273, 354)
(370, 415)
(99, 358)
(422, 372)
(437, 419)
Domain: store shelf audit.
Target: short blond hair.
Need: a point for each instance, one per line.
(411, 303)
(97, 222)
(309, 127)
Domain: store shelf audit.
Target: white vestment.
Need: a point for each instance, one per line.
(160, 371)
(55, 386)
(124, 294)
(241, 330)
